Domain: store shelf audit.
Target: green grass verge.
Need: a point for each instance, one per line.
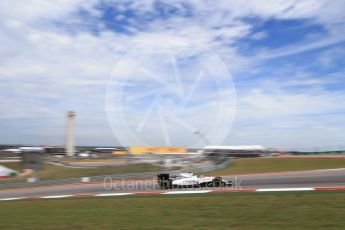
(299, 210)
(261, 165)
(237, 166)
(5, 155)
(59, 172)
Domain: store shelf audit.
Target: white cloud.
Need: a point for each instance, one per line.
(270, 111)
(52, 60)
(259, 35)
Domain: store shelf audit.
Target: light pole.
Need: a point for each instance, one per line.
(198, 133)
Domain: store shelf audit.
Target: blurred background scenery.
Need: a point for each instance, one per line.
(231, 103)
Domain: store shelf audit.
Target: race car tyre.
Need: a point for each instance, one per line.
(209, 184)
(217, 182)
(165, 184)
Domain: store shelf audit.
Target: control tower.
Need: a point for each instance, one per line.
(69, 142)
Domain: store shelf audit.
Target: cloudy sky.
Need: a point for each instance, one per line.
(173, 72)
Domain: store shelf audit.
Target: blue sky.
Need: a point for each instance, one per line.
(285, 61)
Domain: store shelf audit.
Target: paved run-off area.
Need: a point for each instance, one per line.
(305, 179)
(283, 210)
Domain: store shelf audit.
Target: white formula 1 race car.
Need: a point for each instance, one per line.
(190, 180)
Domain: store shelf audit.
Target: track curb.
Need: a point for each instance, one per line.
(178, 192)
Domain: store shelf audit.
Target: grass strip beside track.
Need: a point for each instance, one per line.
(264, 165)
(237, 166)
(287, 210)
(50, 171)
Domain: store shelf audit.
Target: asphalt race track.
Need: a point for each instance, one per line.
(316, 178)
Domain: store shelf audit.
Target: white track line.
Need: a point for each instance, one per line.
(114, 194)
(186, 192)
(179, 192)
(283, 189)
(15, 198)
(54, 197)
